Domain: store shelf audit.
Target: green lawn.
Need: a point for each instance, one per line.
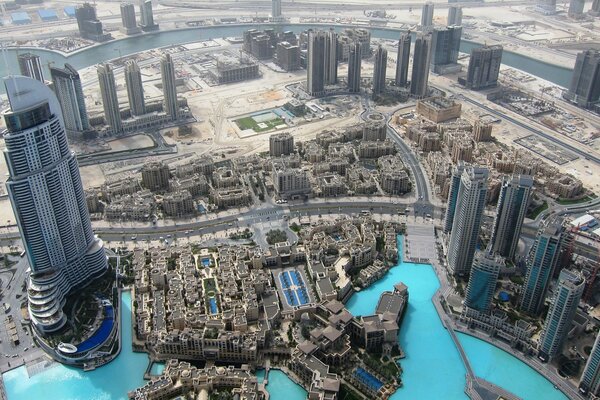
(542, 207)
(566, 202)
(249, 123)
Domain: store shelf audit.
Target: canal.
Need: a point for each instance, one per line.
(101, 53)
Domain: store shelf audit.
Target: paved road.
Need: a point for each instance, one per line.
(585, 153)
(421, 184)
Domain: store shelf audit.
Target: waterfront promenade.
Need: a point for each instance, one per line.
(475, 384)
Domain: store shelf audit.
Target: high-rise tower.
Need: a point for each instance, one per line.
(510, 213)
(561, 313)
(455, 14)
(110, 101)
(88, 24)
(403, 59)
(585, 84)
(315, 65)
(128, 19)
(147, 16)
(354, 64)
(541, 262)
(330, 58)
(169, 86)
(68, 90)
(379, 71)
(427, 16)
(420, 68)
(470, 203)
(30, 65)
(595, 9)
(276, 10)
(576, 8)
(482, 281)
(445, 45)
(484, 67)
(590, 379)
(453, 195)
(46, 193)
(135, 90)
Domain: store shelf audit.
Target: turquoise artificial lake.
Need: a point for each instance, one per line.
(432, 367)
(110, 382)
(280, 387)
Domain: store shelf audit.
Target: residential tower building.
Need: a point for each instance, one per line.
(47, 197)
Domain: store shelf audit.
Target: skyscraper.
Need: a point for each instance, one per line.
(470, 203)
(590, 379)
(585, 84)
(482, 281)
(379, 71)
(276, 10)
(484, 67)
(354, 64)
(169, 86)
(510, 213)
(30, 65)
(576, 8)
(420, 68)
(403, 59)
(315, 65)
(454, 15)
(445, 44)
(68, 90)
(595, 9)
(330, 58)
(453, 195)
(427, 15)
(541, 262)
(110, 101)
(45, 190)
(135, 90)
(88, 24)
(147, 16)
(547, 7)
(561, 313)
(128, 19)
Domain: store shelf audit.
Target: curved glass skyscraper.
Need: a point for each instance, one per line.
(47, 196)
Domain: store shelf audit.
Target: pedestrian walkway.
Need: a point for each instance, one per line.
(419, 244)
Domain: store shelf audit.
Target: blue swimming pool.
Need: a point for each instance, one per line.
(110, 382)
(368, 379)
(205, 262)
(101, 333)
(296, 278)
(212, 302)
